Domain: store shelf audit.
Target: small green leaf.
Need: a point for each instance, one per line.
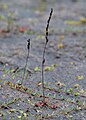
(80, 77)
(25, 115)
(36, 69)
(12, 110)
(19, 117)
(55, 95)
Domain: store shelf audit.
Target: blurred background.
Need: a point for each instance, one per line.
(65, 64)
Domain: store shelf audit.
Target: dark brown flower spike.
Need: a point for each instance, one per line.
(28, 47)
(43, 60)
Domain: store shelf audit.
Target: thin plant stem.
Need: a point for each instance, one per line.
(28, 47)
(43, 60)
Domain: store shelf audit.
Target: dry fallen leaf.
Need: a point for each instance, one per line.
(46, 103)
(53, 106)
(39, 104)
(60, 45)
(21, 29)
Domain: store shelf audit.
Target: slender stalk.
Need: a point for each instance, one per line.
(43, 60)
(28, 47)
